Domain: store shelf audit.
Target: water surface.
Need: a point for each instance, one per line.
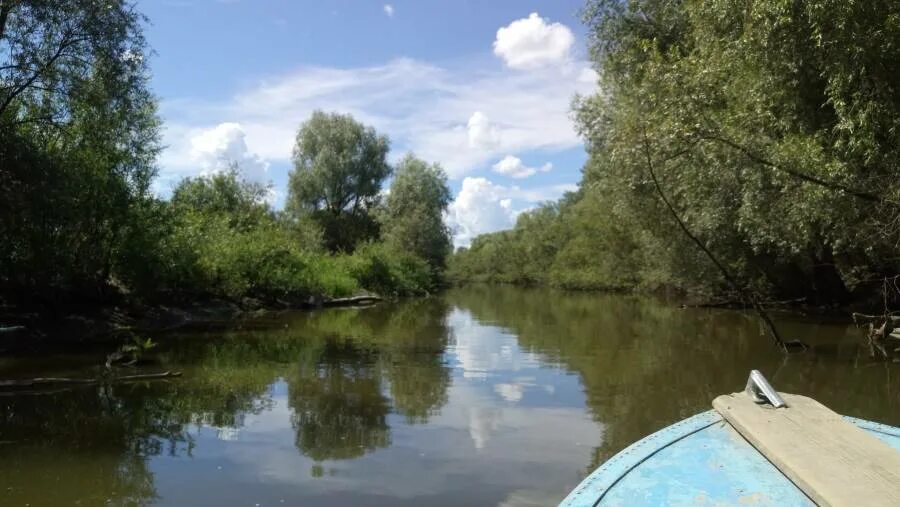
(480, 396)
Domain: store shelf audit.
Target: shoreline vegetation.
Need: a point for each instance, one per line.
(737, 152)
(769, 136)
(88, 242)
(217, 251)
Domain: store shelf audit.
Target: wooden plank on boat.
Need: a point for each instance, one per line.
(831, 460)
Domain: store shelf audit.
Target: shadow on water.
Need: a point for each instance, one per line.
(485, 395)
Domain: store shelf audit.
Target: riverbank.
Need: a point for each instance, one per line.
(31, 327)
(116, 315)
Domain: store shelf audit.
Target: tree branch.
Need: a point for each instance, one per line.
(797, 174)
(5, 8)
(37, 74)
(85, 381)
(773, 331)
(861, 318)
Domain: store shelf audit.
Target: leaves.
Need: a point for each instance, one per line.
(412, 217)
(339, 166)
(774, 126)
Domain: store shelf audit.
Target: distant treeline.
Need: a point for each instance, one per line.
(79, 137)
(773, 130)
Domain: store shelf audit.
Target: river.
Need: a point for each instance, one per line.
(479, 396)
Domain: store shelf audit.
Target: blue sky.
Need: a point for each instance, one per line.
(482, 87)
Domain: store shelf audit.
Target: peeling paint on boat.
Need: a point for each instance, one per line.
(701, 460)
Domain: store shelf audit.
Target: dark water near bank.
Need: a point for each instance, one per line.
(482, 396)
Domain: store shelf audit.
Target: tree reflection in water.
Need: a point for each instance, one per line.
(338, 385)
(346, 371)
(338, 397)
(339, 411)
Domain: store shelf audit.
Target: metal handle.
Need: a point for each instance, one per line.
(761, 391)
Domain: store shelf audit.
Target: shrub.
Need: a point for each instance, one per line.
(386, 271)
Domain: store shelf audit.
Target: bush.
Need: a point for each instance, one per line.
(220, 238)
(386, 271)
(264, 261)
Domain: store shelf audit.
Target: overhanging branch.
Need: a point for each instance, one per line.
(773, 331)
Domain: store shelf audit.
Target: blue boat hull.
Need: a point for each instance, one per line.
(701, 460)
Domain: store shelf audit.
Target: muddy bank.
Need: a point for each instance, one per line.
(32, 327)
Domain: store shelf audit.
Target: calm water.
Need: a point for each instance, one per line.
(482, 396)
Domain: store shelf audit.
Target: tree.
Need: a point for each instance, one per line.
(79, 136)
(339, 166)
(774, 131)
(225, 194)
(412, 219)
(778, 150)
(50, 48)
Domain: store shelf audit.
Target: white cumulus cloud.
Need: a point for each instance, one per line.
(482, 133)
(514, 168)
(421, 107)
(533, 42)
(389, 10)
(482, 206)
(224, 147)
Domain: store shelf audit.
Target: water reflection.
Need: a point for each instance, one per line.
(484, 396)
(338, 409)
(645, 365)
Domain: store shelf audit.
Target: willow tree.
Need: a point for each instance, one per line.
(413, 215)
(773, 125)
(773, 130)
(339, 167)
(78, 141)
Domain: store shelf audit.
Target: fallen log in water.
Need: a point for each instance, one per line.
(46, 381)
(881, 329)
(355, 300)
(862, 318)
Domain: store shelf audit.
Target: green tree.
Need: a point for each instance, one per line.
(773, 129)
(224, 194)
(50, 49)
(412, 219)
(339, 166)
(79, 136)
(765, 135)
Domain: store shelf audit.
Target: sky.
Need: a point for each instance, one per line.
(483, 88)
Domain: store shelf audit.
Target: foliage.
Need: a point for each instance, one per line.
(382, 269)
(413, 215)
(56, 53)
(131, 352)
(221, 238)
(339, 166)
(223, 194)
(773, 129)
(555, 244)
(78, 139)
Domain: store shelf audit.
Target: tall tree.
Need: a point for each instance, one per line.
(773, 129)
(413, 214)
(339, 166)
(78, 136)
(50, 48)
(779, 124)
